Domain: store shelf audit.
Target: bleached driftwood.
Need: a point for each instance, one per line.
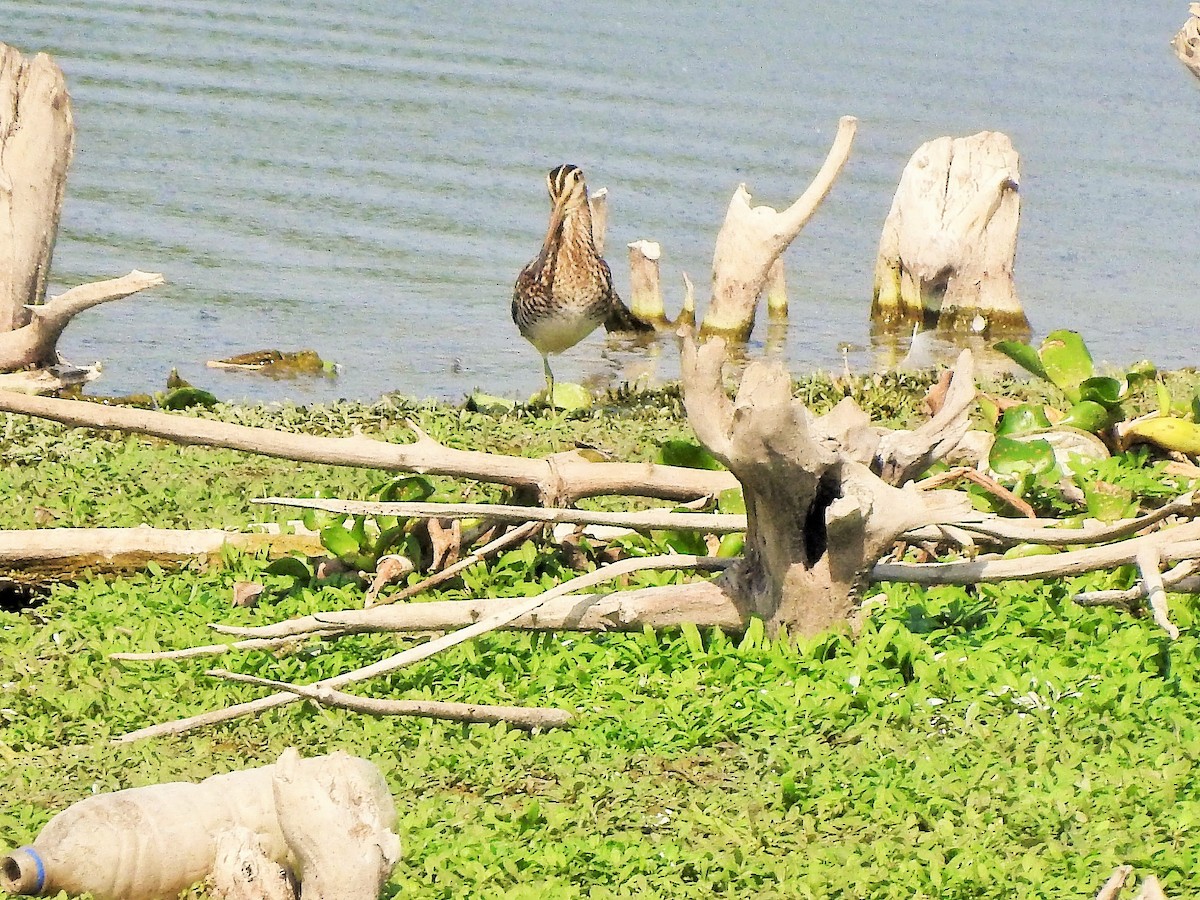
(510, 613)
(557, 480)
(777, 299)
(645, 287)
(598, 206)
(242, 869)
(752, 238)
(33, 344)
(818, 515)
(116, 549)
(949, 243)
(1186, 42)
(526, 717)
(707, 523)
(37, 138)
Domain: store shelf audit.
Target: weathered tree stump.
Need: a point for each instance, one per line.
(752, 239)
(950, 241)
(822, 496)
(1186, 42)
(37, 139)
(645, 287)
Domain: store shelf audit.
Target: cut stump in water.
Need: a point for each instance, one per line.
(1186, 43)
(752, 239)
(949, 244)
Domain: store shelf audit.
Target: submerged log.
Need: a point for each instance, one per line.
(949, 243)
(1186, 43)
(752, 238)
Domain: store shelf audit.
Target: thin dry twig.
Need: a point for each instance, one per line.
(1148, 561)
(527, 717)
(528, 530)
(989, 484)
(710, 523)
(426, 650)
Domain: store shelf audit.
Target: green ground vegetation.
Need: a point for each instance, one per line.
(984, 743)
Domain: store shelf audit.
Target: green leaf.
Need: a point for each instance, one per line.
(1101, 389)
(1167, 432)
(339, 542)
(571, 397)
(1012, 457)
(1024, 356)
(1087, 416)
(1022, 419)
(731, 502)
(291, 567)
(408, 489)
(1108, 502)
(184, 397)
(489, 405)
(731, 545)
(1067, 361)
(686, 454)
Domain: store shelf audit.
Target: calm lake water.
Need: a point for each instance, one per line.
(366, 178)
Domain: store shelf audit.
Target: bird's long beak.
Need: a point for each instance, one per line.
(557, 213)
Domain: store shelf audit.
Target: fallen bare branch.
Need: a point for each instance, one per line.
(1180, 579)
(1180, 542)
(1116, 881)
(558, 480)
(510, 613)
(989, 484)
(526, 717)
(709, 523)
(1148, 562)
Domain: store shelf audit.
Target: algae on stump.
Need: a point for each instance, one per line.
(950, 241)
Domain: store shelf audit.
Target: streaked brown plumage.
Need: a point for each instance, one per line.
(566, 291)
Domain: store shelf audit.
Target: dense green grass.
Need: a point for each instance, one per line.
(995, 743)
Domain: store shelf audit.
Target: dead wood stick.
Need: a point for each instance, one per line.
(509, 614)
(516, 536)
(558, 478)
(1116, 881)
(1148, 561)
(526, 717)
(989, 484)
(1180, 542)
(1181, 579)
(217, 649)
(709, 523)
(127, 547)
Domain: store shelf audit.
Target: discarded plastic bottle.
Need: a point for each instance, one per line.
(151, 843)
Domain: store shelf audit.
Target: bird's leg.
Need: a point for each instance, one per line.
(549, 380)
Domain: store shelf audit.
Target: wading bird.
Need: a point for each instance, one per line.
(566, 290)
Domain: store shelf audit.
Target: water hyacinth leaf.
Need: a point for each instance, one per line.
(1023, 419)
(185, 397)
(1101, 389)
(290, 567)
(1168, 432)
(731, 502)
(686, 454)
(1087, 415)
(339, 542)
(1164, 398)
(571, 397)
(1196, 406)
(489, 405)
(731, 545)
(1067, 361)
(409, 489)
(988, 409)
(1024, 356)
(1012, 457)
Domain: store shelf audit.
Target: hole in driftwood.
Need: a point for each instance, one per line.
(815, 537)
(15, 596)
